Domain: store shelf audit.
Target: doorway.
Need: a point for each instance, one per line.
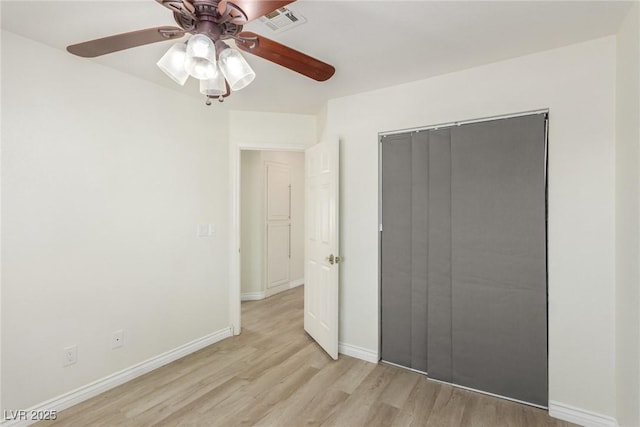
(271, 222)
(235, 153)
(321, 240)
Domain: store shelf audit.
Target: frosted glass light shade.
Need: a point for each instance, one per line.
(201, 57)
(172, 63)
(236, 69)
(213, 87)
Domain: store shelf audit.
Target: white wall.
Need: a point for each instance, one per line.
(104, 179)
(627, 218)
(321, 119)
(251, 222)
(253, 216)
(577, 84)
(262, 130)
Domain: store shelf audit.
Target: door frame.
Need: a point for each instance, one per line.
(234, 248)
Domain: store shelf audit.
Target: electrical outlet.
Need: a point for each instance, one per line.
(70, 355)
(117, 339)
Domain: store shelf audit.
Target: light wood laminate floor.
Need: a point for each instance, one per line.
(273, 374)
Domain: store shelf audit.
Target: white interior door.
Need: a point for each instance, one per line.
(277, 227)
(321, 245)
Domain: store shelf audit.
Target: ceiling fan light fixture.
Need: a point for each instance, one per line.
(200, 61)
(205, 55)
(172, 63)
(213, 87)
(236, 69)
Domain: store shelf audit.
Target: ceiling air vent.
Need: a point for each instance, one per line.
(282, 19)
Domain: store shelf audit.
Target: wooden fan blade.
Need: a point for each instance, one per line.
(256, 8)
(183, 7)
(97, 47)
(285, 56)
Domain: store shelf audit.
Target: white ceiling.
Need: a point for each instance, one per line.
(372, 44)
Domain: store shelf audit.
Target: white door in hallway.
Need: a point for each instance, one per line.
(277, 227)
(322, 260)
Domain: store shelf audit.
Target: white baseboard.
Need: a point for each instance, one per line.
(358, 352)
(107, 383)
(252, 296)
(257, 296)
(296, 283)
(580, 416)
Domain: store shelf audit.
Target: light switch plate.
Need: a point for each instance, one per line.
(203, 230)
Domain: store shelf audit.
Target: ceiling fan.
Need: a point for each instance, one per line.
(205, 56)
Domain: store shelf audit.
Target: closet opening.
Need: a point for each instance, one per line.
(463, 253)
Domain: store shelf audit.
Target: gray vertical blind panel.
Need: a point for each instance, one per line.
(419, 248)
(396, 286)
(439, 264)
(499, 257)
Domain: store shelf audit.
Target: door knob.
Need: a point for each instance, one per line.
(333, 259)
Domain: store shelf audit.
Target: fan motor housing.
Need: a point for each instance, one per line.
(206, 19)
